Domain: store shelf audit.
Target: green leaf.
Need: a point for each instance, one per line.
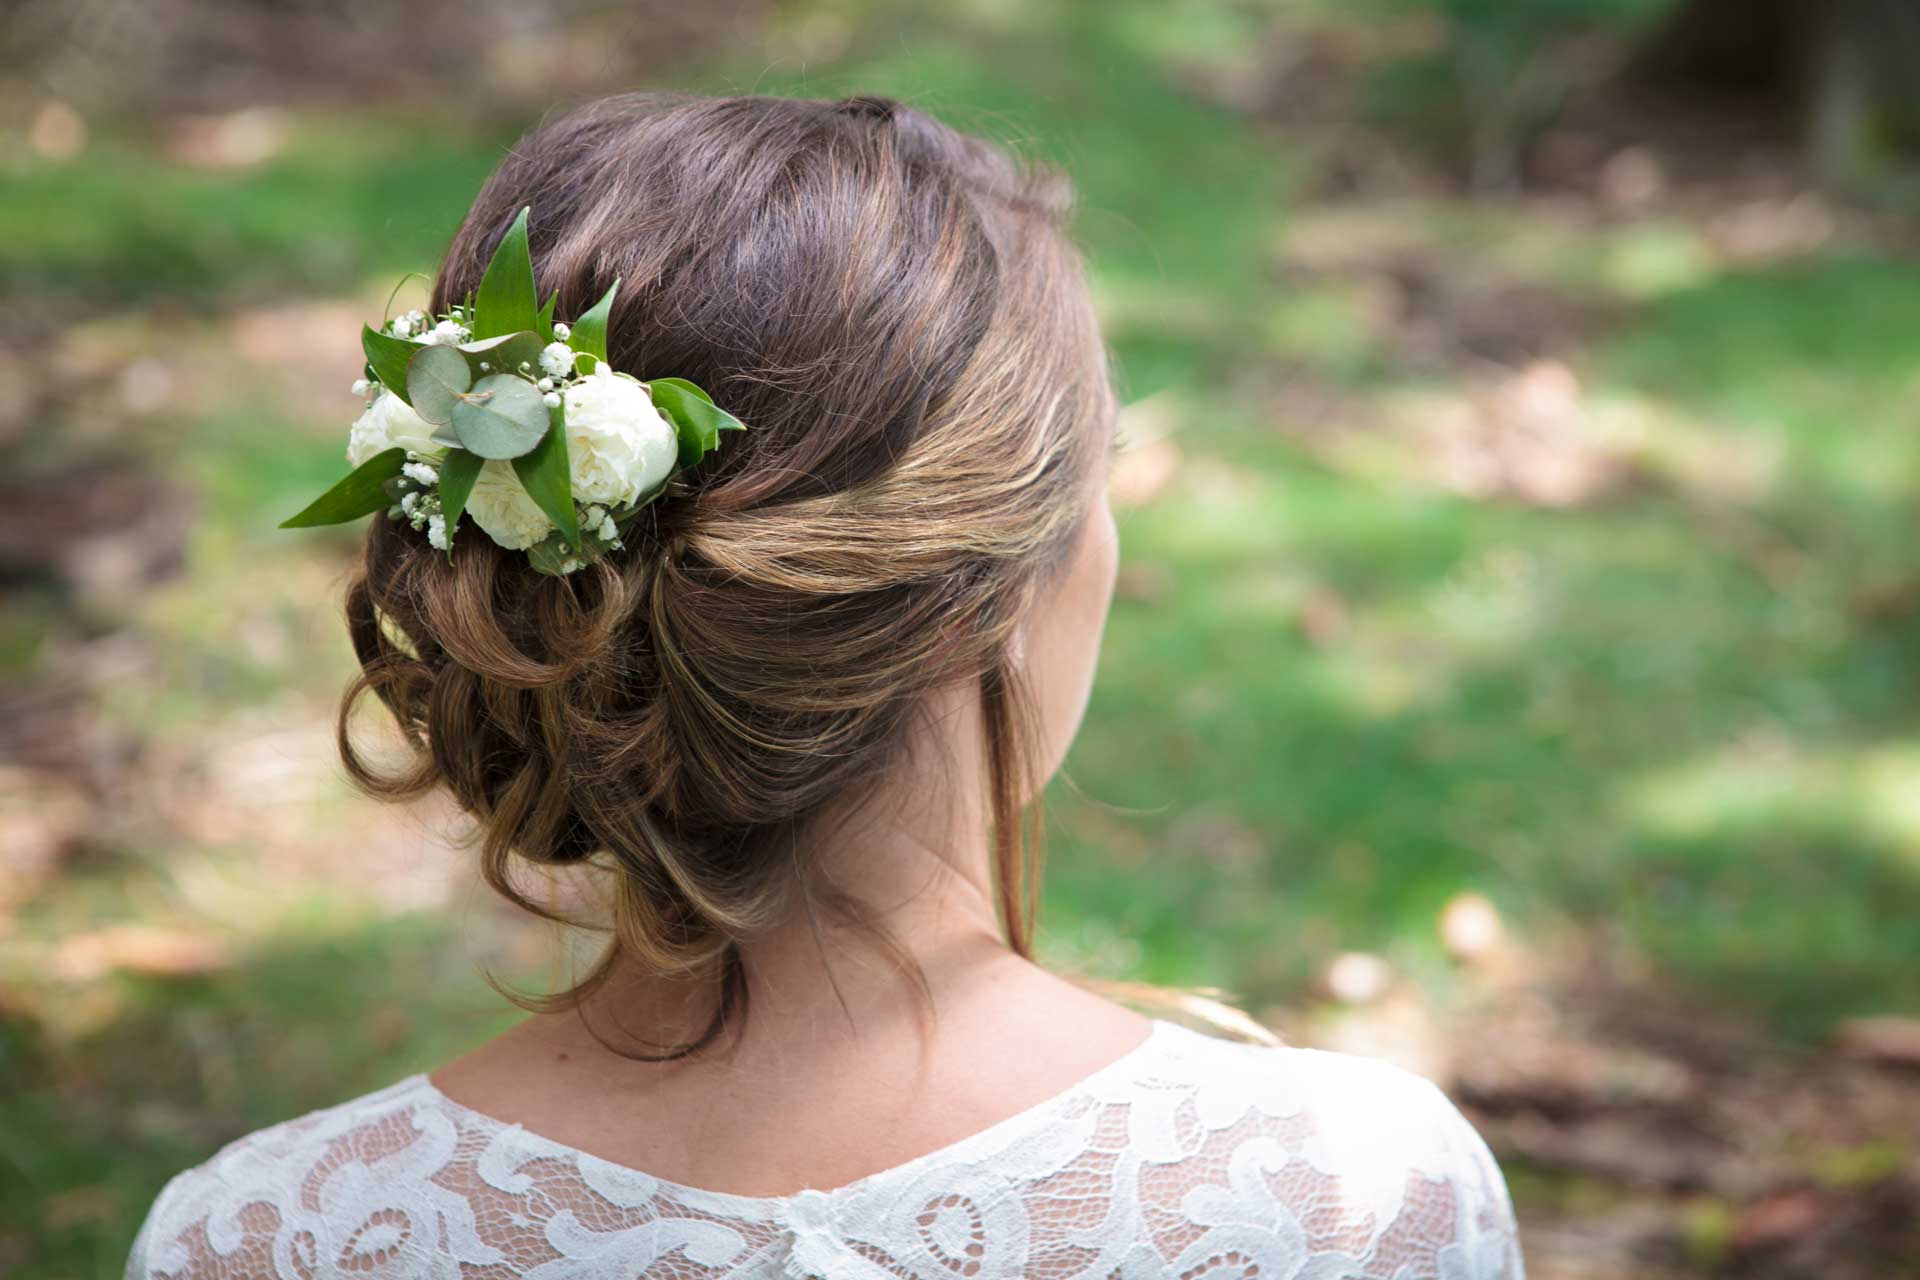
(502, 417)
(457, 474)
(389, 356)
(546, 476)
(545, 327)
(506, 302)
(696, 419)
(589, 335)
(547, 557)
(505, 354)
(361, 493)
(624, 518)
(436, 377)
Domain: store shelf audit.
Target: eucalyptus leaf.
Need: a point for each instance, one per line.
(545, 475)
(388, 357)
(436, 377)
(506, 301)
(503, 416)
(457, 474)
(505, 354)
(696, 419)
(361, 493)
(589, 336)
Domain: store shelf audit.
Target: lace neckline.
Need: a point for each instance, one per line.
(1159, 1031)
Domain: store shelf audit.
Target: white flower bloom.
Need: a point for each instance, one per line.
(608, 530)
(407, 501)
(499, 504)
(361, 386)
(447, 332)
(556, 359)
(551, 399)
(437, 532)
(562, 332)
(545, 384)
(420, 473)
(387, 422)
(618, 445)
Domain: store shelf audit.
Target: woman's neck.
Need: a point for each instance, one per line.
(915, 856)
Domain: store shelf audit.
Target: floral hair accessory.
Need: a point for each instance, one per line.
(496, 412)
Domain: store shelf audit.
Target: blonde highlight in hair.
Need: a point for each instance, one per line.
(898, 312)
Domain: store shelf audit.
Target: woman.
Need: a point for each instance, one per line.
(795, 716)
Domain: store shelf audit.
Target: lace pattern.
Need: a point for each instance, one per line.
(1191, 1157)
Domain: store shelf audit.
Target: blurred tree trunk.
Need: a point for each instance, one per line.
(1841, 73)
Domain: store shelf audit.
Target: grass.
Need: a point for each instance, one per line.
(349, 197)
(1674, 709)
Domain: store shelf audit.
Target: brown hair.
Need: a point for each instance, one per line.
(898, 312)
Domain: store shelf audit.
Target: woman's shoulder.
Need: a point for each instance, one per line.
(208, 1213)
(1361, 1157)
(1354, 1104)
(1198, 1148)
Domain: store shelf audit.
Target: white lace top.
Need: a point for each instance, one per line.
(1189, 1157)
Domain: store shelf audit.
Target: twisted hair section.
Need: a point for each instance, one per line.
(897, 311)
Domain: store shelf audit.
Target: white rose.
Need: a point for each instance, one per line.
(388, 422)
(618, 444)
(500, 505)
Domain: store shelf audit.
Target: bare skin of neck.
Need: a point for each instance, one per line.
(841, 1069)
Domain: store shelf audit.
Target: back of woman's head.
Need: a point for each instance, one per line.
(897, 312)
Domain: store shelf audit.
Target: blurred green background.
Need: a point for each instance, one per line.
(1514, 666)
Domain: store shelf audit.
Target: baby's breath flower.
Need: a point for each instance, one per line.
(448, 333)
(437, 532)
(408, 500)
(562, 332)
(551, 399)
(545, 384)
(421, 473)
(402, 326)
(557, 359)
(361, 386)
